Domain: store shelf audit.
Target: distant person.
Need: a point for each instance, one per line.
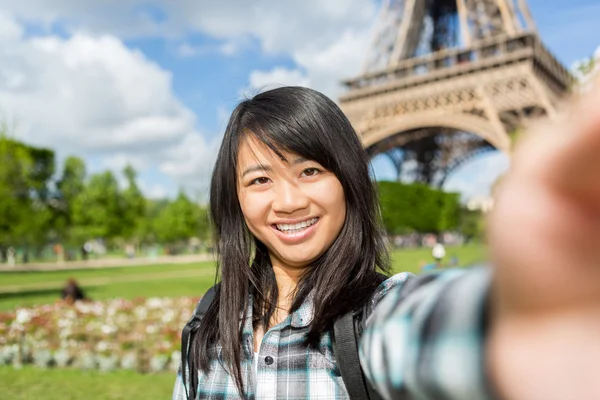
(71, 292)
(59, 252)
(11, 256)
(130, 251)
(438, 252)
(84, 252)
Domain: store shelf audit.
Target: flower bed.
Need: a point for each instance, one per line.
(142, 335)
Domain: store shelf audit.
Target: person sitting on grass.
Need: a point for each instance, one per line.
(71, 292)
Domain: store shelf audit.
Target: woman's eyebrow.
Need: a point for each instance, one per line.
(255, 168)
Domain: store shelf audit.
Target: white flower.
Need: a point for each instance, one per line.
(155, 302)
(23, 316)
(108, 329)
(168, 316)
(150, 329)
(141, 312)
(102, 346)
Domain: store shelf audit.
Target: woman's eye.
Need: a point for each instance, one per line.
(310, 172)
(260, 181)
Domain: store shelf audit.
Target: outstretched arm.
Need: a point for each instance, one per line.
(536, 336)
(545, 242)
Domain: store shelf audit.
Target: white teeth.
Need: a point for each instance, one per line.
(295, 227)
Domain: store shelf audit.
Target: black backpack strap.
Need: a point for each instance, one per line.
(346, 336)
(346, 355)
(186, 335)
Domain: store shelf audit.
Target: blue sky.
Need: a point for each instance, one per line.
(151, 82)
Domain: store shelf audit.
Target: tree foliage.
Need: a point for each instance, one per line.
(416, 207)
(472, 224)
(25, 174)
(179, 220)
(97, 211)
(133, 206)
(39, 207)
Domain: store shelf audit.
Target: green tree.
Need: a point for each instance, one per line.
(97, 209)
(148, 225)
(417, 208)
(180, 220)
(16, 165)
(472, 224)
(25, 208)
(72, 181)
(133, 205)
(70, 185)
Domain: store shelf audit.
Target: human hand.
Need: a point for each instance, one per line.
(544, 234)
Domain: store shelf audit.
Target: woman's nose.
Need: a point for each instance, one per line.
(289, 197)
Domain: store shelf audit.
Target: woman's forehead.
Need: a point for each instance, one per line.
(252, 150)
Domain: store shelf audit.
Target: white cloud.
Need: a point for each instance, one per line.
(278, 76)
(153, 191)
(343, 58)
(327, 40)
(324, 67)
(124, 18)
(476, 177)
(278, 25)
(190, 162)
(93, 96)
(9, 28)
(229, 48)
(187, 50)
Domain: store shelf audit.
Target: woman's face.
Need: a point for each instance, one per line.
(296, 208)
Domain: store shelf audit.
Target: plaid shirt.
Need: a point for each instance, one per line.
(431, 343)
(404, 345)
(287, 368)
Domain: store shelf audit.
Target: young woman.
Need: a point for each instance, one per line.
(299, 245)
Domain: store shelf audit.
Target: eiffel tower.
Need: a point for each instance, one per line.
(446, 80)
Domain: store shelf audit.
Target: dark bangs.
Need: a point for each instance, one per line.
(305, 122)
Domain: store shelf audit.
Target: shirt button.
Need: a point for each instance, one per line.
(268, 360)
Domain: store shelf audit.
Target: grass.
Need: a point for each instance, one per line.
(130, 282)
(33, 288)
(32, 383)
(171, 280)
(411, 259)
(33, 277)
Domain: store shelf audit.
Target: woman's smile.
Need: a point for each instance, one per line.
(296, 232)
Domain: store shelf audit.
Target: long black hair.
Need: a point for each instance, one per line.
(304, 122)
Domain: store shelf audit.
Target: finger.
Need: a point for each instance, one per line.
(575, 168)
(545, 227)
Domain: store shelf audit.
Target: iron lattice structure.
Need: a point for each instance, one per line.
(448, 79)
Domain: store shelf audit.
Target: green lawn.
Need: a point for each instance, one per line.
(33, 277)
(31, 383)
(411, 259)
(163, 280)
(127, 282)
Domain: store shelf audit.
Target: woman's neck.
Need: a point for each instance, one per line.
(287, 281)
